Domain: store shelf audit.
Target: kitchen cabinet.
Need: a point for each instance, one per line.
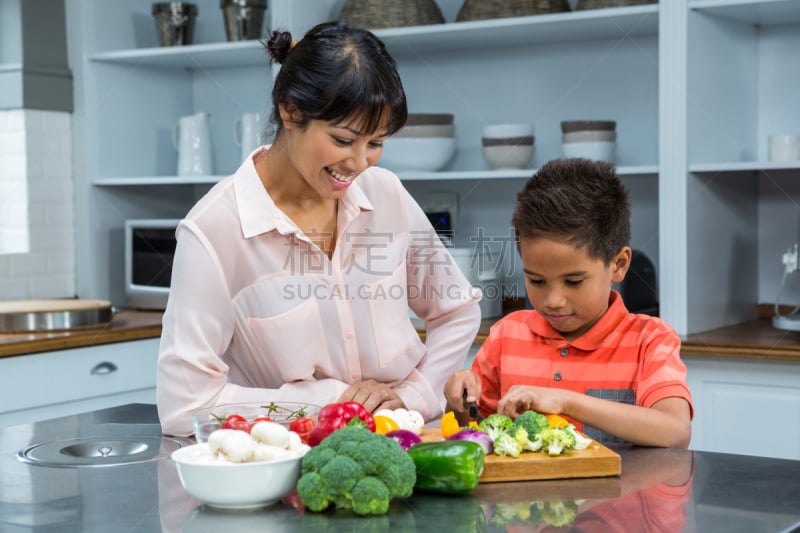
(745, 406)
(64, 382)
(692, 123)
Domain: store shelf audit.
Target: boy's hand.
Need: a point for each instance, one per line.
(454, 393)
(521, 398)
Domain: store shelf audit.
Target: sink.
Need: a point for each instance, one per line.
(99, 451)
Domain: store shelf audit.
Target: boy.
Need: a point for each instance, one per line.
(617, 375)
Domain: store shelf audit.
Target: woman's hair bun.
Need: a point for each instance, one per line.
(278, 45)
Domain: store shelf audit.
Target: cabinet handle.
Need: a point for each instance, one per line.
(101, 369)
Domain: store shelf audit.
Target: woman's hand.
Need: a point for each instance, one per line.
(463, 380)
(373, 395)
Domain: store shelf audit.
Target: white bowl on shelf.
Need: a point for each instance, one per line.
(595, 150)
(503, 131)
(589, 136)
(417, 153)
(508, 156)
(426, 130)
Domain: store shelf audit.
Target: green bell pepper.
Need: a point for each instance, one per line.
(451, 467)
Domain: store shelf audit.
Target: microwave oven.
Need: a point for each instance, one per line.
(149, 251)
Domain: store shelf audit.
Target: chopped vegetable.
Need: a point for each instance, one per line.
(581, 442)
(337, 415)
(556, 441)
(505, 444)
(533, 422)
(477, 436)
(353, 468)
(495, 425)
(405, 438)
(556, 421)
(450, 466)
(449, 425)
(384, 424)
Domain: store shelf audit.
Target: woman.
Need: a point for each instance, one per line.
(293, 277)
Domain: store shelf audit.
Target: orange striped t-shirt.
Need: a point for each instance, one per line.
(624, 357)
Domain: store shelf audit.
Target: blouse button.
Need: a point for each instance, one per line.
(557, 376)
(564, 352)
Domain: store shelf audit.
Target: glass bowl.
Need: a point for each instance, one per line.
(206, 421)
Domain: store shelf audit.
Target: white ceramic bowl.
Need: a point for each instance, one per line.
(568, 126)
(417, 153)
(205, 421)
(501, 131)
(512, 157)
(589, 135)
(426, 130)
(596, 150)
(234, 485)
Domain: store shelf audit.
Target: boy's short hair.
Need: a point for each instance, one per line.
(576, 201)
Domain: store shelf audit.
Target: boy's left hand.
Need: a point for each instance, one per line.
(521, 398)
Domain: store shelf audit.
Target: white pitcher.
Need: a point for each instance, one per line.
(249, 132)
(191, 138)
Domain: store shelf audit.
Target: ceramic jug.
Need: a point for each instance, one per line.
(191, 138)
(249, 132)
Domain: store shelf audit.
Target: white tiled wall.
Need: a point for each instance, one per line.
(37, 243)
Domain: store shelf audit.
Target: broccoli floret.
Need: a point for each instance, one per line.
(581, 442)
(495, 425)
(370, 496)
(533, 422)
(356, 469)
(560, 513)
(505, 444)
(556, 441)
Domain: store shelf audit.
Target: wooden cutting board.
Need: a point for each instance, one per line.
(594, 461)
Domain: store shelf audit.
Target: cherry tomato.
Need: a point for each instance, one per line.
(302, 426)
(236, 422)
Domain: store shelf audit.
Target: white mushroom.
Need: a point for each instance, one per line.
(415, 421)
(237, 447)
(215, 440)
(270, 433)
(265, 452)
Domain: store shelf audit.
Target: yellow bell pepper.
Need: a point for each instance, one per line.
(556, 421)
(450, 425)
(384, 424)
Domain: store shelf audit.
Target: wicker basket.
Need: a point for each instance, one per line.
(598, 4)
(492, 9)
(376, 14)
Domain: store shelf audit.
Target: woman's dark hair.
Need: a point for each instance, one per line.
(576, 201)
(337, 72)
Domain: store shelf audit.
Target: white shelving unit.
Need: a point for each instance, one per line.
(695, 87)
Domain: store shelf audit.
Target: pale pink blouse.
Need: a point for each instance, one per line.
(257, 312)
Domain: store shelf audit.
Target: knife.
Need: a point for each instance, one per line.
(474, 413)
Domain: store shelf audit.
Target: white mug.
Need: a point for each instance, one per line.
(249, 132)
(190, 136)
(784, 147)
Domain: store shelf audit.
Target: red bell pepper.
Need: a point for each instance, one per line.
(336, 416)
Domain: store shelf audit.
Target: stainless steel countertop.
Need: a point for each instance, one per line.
(659, 490)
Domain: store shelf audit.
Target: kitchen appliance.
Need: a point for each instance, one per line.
(244, 19)
(149, 251)
(174, 22)
(791, 321)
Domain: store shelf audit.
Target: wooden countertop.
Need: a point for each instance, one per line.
(125, 326)
(754, 339)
